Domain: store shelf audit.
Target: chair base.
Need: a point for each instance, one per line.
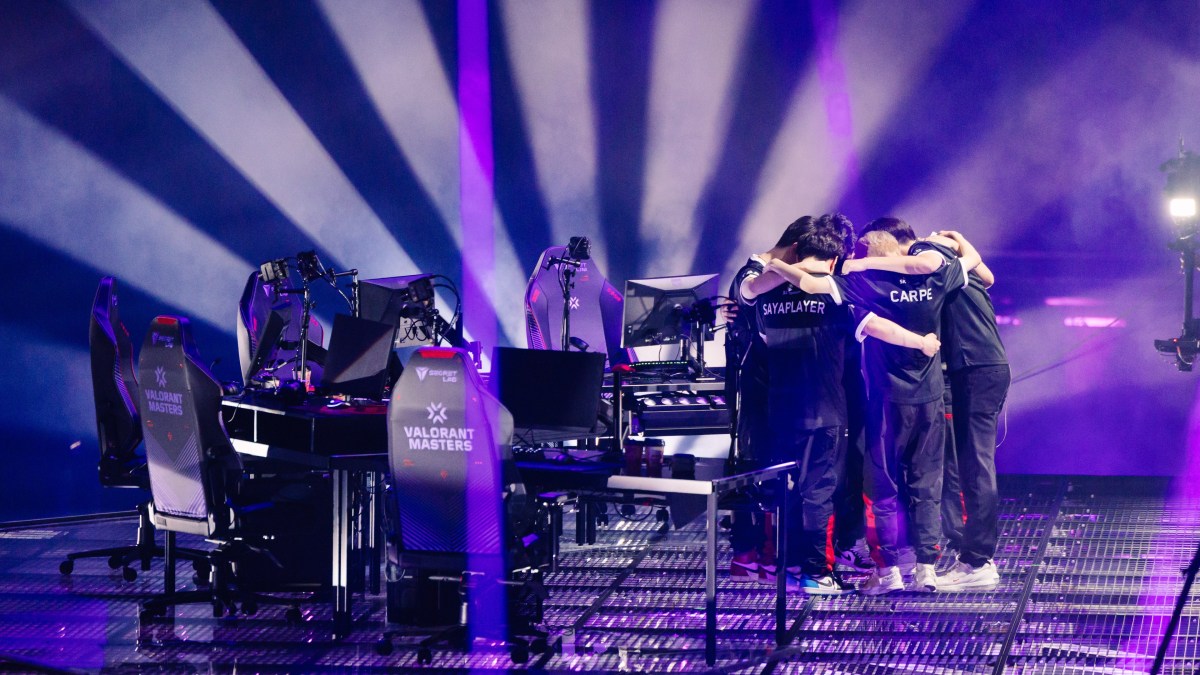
(145, 550)
(223, 592)
(523, 600)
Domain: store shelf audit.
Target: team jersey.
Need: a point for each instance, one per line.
(969, 333)
(914, 301)
(749, 349)
(805, 335)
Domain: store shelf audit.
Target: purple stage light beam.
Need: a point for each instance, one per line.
(476, 169)
(835, 93)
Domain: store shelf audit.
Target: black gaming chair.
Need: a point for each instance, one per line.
(195, 474)
(119, 429)
(596, 307)
(459, 519)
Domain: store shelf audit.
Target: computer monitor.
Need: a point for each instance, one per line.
(266, 344)
(403, 302)
(357, 363)
(552, 395)
(659, 311)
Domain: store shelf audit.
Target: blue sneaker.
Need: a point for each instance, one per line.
(825, 584)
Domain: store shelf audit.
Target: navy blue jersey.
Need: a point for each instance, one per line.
(749, 350)
(914, 301)
(969, 333)
(805, 335)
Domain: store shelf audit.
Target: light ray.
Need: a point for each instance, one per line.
(393, 50)
(689, 113)
(189, 55)
(56, 192)
(549, 51)
(883, 48)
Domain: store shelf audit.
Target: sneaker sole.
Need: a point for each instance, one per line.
(828, 591)
(923, 588)
(879, 591)
(973, 586)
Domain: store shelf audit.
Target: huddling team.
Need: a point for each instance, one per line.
(874, 361)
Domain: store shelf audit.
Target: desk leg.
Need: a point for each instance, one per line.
(782, 501)
(374, 541)
(343, 530)
(169, 561)
(710, 583)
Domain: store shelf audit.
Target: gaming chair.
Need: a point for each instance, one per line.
(464, 538)
(195, 474)
(596, 307)
(119, 430)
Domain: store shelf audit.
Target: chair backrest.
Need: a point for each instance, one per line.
(114, 387)
(596, 307)
(259, 301)
(192, 463)
(450, 458)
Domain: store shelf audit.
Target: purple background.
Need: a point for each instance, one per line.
(178, 145)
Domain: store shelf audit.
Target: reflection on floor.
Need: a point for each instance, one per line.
(1090, 569)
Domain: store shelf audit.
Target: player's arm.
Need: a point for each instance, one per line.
(984, 272)
(754, 286)
(967, 254)
(926, 262)
(801, 279)
(893, 333)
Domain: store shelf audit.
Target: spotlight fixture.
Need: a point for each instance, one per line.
(274, 271)
(1182, 192)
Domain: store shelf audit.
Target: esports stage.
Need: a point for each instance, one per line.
(356, 536)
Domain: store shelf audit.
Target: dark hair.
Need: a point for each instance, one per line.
(795, 231)
(813, 237)
(842, 226)
(893, 226)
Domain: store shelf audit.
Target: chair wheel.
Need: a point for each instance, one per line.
(249, 608)
(115, 561)
(519, 651)
(66, 566)
(539, 646)
(128, 573)
(384, 647)
(424, 656)
(293, 616)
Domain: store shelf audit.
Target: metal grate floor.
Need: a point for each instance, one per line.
(1090, 569)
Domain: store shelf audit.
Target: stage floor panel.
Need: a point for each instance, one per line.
(1090, 572)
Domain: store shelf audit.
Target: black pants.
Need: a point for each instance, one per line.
(979, 395)
(849, 509)
(819, 453)
(952, 502)
(747, 533)
(904, 475)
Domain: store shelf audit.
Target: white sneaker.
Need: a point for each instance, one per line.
(925, 579)
(882, 580)
(963, 577)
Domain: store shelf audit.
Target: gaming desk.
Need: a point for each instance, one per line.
(351, 443)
